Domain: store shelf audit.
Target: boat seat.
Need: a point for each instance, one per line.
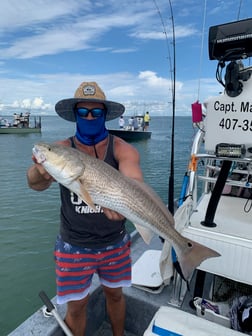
(232, 238)
(148, 278)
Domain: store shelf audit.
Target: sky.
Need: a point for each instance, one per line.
(47, 48)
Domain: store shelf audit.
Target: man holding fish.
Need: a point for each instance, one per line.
(101, 185)
(92, 238)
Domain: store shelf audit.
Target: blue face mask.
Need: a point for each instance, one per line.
(90, 131)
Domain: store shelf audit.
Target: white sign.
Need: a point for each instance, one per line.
(229, 120)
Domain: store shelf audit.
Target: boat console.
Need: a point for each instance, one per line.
(221, 212)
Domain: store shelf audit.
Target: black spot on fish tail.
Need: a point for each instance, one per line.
(194, 256)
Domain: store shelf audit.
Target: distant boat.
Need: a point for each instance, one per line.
(20, 125)
(129, 134)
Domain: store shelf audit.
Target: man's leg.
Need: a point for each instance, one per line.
(76, 316)
(115, 303)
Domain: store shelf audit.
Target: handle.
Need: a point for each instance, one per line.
(50, 307)
(46, 301)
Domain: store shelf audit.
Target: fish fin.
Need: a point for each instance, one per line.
(156, 199)
(145, 233)
(84, 195)
(194, 256)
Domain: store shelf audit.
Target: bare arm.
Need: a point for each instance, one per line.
(129, 165)
(128, 159)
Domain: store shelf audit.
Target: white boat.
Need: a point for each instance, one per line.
(215, 208)
(131, 134)
(21, 124)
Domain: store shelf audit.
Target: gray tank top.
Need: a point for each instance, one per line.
(82, 226)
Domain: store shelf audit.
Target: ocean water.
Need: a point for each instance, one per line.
(29, 220)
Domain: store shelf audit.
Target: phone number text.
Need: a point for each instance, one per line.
(234, 124)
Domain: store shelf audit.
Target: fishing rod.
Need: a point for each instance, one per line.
(173, 81)
(239, 10)
(171, 177)
(166, 36)
(173, 89)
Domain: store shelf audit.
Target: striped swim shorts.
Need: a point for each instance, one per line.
(75, 267)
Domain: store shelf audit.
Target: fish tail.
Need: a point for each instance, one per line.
(194, 256)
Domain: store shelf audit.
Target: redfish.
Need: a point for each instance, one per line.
(96, 182)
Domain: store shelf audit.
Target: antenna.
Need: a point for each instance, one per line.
(202, 47)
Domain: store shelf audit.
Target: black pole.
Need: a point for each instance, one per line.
(216, 194)
(171, 177)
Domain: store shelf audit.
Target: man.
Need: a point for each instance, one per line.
(88, 242)
(121, 122)
(135, 124)
(146, 121)
(131, 119)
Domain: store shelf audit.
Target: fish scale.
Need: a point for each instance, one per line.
(131, 203)
(96, 182)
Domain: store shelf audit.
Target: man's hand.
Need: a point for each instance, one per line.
(41, 170)
(112, 215)
(37, 177)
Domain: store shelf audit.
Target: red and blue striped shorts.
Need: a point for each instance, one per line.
(75, 267)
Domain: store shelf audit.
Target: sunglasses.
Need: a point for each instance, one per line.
(95, 112)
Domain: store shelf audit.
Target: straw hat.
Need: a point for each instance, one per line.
(88, 92)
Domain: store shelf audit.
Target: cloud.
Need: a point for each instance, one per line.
(31, 14)
(180, 32)
(152, 79)
(30, 104)
(145, 90)
(51, 47)
(57, 27)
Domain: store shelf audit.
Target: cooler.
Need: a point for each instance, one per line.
(170, 321)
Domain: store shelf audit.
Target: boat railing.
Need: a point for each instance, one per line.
(228, 182)
(239, 175)
(192, 167)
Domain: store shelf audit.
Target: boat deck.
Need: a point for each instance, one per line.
(105, 330)
(142, 305)
(232, 238)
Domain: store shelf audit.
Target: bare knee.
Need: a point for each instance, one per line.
(113, 294)
(78, 307)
